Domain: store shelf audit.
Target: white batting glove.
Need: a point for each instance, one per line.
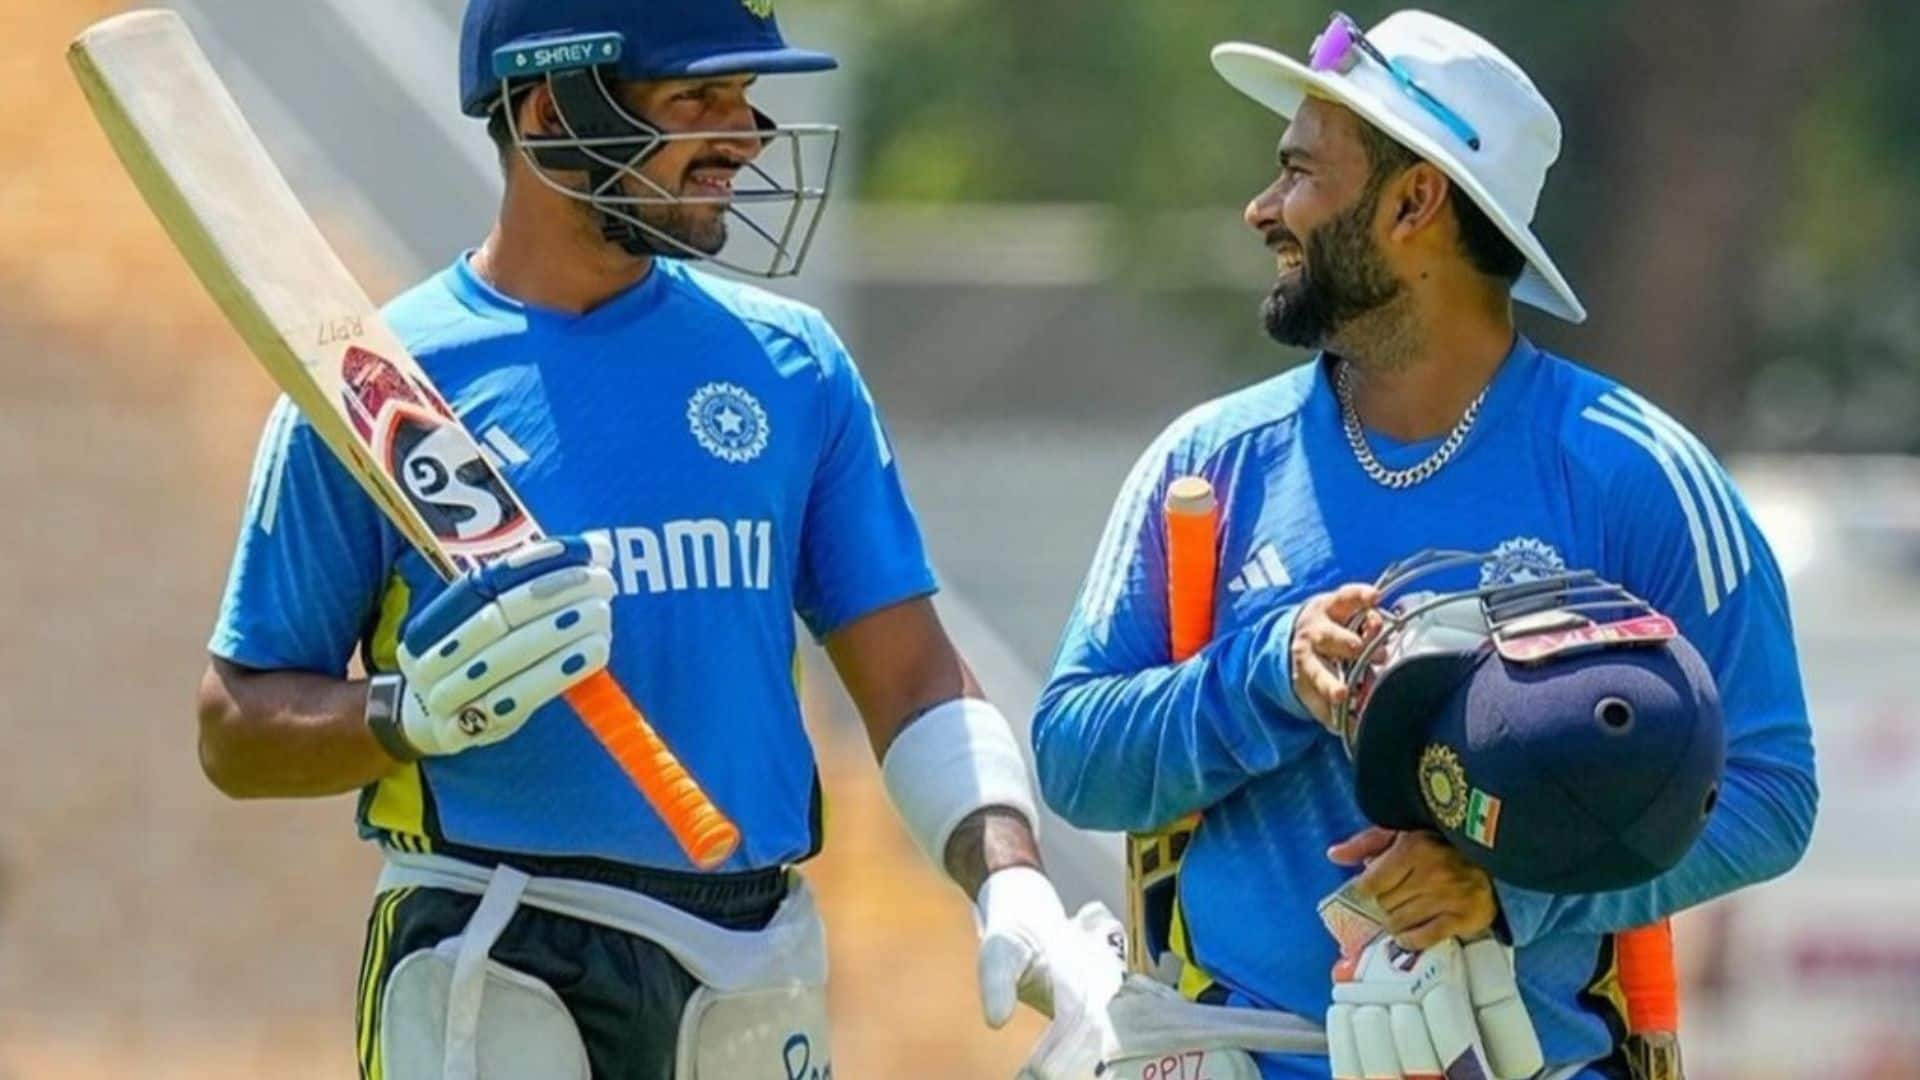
(1068, 969)
(503, 641)
(1452, 1010)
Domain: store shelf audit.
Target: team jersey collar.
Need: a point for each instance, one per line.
(615, 314)
(1509, 384)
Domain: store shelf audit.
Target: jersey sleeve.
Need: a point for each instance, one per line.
(1679, 534)
(1123, 737)
(860, 548)
(311, 559)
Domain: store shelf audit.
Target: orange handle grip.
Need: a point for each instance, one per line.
(1647, 978)
(702, 831)
(1192, 519)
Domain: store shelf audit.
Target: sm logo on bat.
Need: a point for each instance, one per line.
(436, 463)
(445, 477)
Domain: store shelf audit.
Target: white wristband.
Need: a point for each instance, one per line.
(956, 759)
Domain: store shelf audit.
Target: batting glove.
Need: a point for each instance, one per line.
(1451, 1011)
(502, 641)
(1068, 969)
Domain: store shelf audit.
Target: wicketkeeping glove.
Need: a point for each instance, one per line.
(1452, 1011)
(503, 641)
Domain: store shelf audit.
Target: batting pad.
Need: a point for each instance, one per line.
(523, 1029)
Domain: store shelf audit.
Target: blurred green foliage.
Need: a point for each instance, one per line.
(1070, 101)
(1062, 100)
(1841, 304)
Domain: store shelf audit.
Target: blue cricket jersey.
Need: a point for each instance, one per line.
(1564, 468)
(722, 438)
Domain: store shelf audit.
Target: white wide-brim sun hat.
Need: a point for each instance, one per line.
(1519, 133)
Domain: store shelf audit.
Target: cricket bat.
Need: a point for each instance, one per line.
(211, 183)
(1153, 859)
(1651, 987)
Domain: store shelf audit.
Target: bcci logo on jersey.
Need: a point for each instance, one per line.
(1522, 558)
(728, 422)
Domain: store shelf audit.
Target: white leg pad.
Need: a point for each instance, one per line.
(523, 1029)
(777, 1033)
(761, 1013)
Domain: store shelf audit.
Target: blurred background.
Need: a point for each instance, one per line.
(1035, 251)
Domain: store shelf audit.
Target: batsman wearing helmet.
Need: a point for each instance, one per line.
(711, 464)
(1508, 812)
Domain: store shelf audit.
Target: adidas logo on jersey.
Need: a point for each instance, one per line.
(696, 553)
(1263, 571)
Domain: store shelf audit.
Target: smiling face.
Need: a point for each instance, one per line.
(699, 170)
(1320, 217)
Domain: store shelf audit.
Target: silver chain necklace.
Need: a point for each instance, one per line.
(1397, 479)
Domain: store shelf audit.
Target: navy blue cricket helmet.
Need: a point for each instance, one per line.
(1558, 731)
(584, 51)
(663, 39)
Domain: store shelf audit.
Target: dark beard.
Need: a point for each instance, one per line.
(698, 227)
(1342, 276)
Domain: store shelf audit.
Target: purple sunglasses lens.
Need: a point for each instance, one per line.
(1330, 49)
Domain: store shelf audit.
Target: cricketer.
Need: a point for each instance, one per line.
(1409, 170)
(710, 464)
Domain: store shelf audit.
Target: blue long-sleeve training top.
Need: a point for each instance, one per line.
(1564, 468)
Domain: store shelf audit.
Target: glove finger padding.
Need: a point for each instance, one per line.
(563, 633)
(1436, 1013)
(1507, 1032)
(484, 606)
(501, 642)
(439, 658)
(1343, 1047)
(1373, 1032)
(1418, 1058)
(509, 704)
(555, 592)
(1450, 1023)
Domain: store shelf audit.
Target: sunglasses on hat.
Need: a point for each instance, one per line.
(1339, 48)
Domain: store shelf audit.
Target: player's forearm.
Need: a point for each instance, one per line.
(1141, 749)
(1759, 830)
(286, 734)
(994, 838)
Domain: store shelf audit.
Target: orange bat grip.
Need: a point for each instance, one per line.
(702, 831)
(1192, 522)
(1647, 978)
(1192, 519)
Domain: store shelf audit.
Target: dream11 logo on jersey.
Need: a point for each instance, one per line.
(692, 553)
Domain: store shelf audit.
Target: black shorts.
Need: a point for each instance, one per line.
(625, 993)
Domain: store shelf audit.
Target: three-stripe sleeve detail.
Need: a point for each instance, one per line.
(1721, 553)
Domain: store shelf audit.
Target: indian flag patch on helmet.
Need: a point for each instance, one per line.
(1482, 822)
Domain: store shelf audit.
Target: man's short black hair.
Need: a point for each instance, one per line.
(498, 128)
(1487, 248)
